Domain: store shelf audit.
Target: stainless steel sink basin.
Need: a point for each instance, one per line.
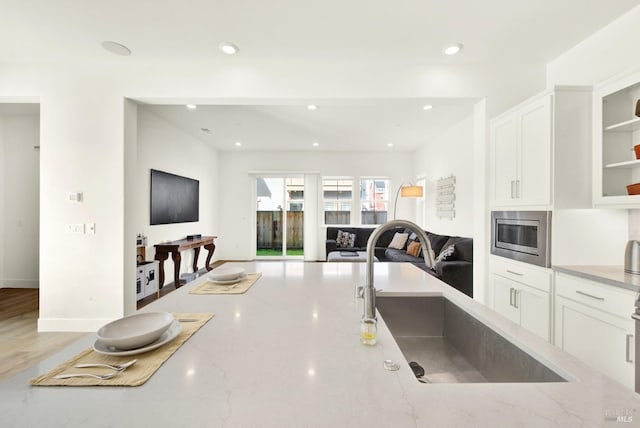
(453, 346)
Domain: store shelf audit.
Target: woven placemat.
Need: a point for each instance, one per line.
(237, 288)
(135, 375)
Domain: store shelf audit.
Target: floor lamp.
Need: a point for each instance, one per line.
(408, 191)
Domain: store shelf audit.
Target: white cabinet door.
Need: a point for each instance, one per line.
(533, 186)
(521, 153)
(602, 340)
(534, 310)
(504, 161)
(503, 297)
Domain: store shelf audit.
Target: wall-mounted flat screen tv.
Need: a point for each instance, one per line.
(174, 199)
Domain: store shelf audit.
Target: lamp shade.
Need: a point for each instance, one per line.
(411, 191)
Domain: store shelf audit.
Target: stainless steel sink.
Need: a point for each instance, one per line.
(453, 346)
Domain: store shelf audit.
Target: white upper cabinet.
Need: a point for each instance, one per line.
(533, 144)
(616, 130)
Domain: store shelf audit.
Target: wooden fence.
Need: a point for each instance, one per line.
(269, 229)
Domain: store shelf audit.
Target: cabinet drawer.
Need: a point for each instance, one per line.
(537, 278)
(607, 298)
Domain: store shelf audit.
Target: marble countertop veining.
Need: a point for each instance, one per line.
(287, 354)
(611, 275)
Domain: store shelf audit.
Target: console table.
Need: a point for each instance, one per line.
(174, 247)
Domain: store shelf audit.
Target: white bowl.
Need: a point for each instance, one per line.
(226, 273)
(136, 330)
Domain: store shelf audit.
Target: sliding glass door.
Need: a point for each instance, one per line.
(279, 216)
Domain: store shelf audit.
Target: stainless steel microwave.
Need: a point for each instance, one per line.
(522, 235)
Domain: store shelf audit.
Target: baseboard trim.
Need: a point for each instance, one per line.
(20, 283)
(80, 325)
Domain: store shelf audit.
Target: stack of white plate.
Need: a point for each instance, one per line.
(137, 333)
(227, 275)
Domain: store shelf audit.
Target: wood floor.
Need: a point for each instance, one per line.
(21, 346)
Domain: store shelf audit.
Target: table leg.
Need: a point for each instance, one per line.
(161, 256)
(176, 268)
(211, 248)
(196, 252)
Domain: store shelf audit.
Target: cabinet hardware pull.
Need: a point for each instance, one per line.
(590, 295)
(515, 273)
(515, 298)
(518, 189)
(511, 296)
(513, 182)
(628, 349)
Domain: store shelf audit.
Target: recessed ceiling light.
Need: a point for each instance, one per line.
(116, 48)
(191, 106)
(427, 107)
(312, 107)
(228, 48)
(316, 144)
(453, 49)
(238, 143)
(389, 144)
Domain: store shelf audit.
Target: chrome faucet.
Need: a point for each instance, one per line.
(369, 291)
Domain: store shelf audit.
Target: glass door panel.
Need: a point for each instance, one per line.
(269, 218)
(279, 216)
(295, 215)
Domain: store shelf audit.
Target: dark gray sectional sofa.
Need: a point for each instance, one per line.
(457, 271)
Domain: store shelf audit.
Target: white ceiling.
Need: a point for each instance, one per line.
(336, 125)
(410, 32)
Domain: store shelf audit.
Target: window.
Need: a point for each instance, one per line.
(295, 193)
(337, 196)
(374, 200)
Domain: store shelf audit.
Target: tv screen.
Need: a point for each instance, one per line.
(174, 199)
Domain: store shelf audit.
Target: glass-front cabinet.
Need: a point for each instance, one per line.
(616, 165)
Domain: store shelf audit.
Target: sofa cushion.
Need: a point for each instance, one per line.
(345, 239)
(464, 247)
(395, 255)
(398, 241)
(446, 255)
(413, 249)
(362, 236)
(437, 242)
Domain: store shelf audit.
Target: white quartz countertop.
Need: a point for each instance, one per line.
(612, 275)
(287, 354)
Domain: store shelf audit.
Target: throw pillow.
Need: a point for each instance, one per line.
(413, 249)
(345, 239)
(398, 241)
(447, 254)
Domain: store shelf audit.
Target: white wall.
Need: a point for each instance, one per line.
(20, 208)
(589, 237)
(236, 204)
(481, 215)
(606, 53)
(162, 146)
(451, 153)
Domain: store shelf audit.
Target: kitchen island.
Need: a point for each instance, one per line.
(287, 354)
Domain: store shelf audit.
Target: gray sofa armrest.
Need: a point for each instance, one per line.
(458, 274)
(330, 246)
